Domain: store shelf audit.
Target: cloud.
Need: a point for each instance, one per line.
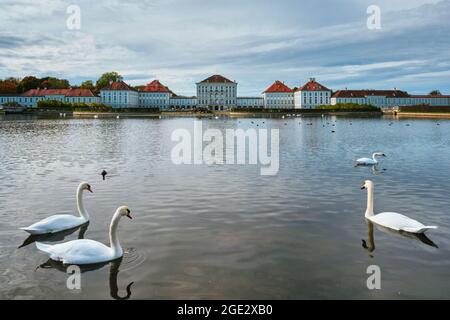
(254, 42)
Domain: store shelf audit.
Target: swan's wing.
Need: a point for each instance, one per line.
(365, 160)
(55, 223)
(82, 251)
(396, 221)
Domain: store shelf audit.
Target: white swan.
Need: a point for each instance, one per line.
(62, 222)
(369, 161)
(391, 220)
(84, 251)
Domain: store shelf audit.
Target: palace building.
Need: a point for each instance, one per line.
(218, 93)
(311, 95)
(278, 96)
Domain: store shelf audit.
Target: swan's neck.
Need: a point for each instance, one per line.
(81, 209)
(113, 238)
(369, 210)
(374, 158)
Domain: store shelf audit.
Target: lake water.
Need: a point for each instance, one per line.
(225, 231)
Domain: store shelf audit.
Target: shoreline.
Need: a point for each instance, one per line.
(238, 114)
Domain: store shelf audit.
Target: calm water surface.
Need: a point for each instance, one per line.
(226, 231)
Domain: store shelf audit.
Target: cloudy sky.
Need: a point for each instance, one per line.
(253, 42)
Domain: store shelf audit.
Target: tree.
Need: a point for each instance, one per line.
(27, 83)
(9, 86)
(54, 83)
(435, 93)
(106, 79)
(88, 84)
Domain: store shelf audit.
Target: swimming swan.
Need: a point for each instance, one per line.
(61, 222)
(368, 161)
(87, 251)
(391, 220)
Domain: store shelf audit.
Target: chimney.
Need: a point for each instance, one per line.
(312, 79)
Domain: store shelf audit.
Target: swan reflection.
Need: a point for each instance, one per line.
(113, 274)
(376, 169)
(370, 244)
(55, 237)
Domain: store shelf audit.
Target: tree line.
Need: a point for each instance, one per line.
(17, 86)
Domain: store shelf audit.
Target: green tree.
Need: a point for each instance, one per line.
(27, 83)
(106, 78)
(435, 93)
(88, 84)
(54, 83)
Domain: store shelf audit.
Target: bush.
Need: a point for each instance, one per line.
(55, 105)
(12, 104)
(340, 107)
(424, 108)
(144, 110)
(348, 107)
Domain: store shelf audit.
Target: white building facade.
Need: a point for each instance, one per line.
(217, 93)
(278, 96)
(120, 95)
(311, 95)
(387, 98)
(183, 103)
(30, 98)
(155, 95)
(250, 102)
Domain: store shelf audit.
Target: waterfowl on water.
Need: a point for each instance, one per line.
(391, 220)
(60, 222)
(84, 251)
(369, 161)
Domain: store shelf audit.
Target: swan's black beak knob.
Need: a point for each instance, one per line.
(363, 187)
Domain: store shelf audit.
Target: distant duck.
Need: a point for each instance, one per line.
(117, 117)
(216, 117)
(333, 131)
(369, 161)
(84, 251)
(104, 173)
(96, 117)
(407, 124)
(64, 114)
(61, 222)
(60, 114)
(391, 220)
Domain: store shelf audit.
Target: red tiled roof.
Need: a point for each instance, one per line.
(366, 93)
(312, 85)
(119, 85)
(45, 92)
(278, 86)
(76, 92)
(155, 86)
(430, 96)
(216, 78)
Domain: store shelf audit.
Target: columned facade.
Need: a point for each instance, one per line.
(217, 93)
